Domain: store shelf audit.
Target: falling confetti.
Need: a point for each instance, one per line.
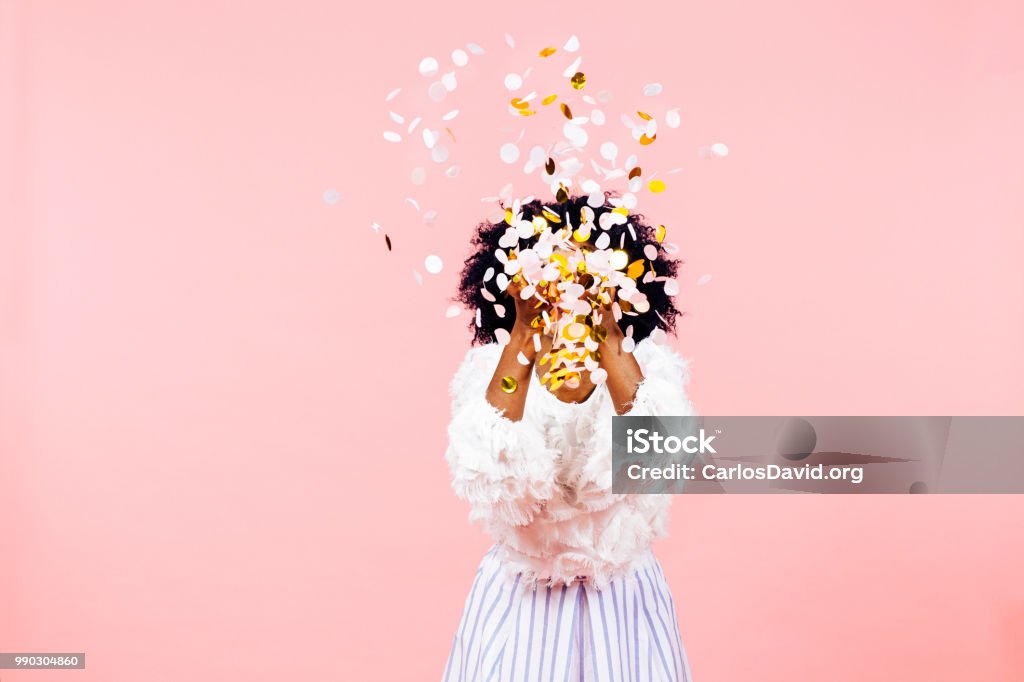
(429, 66)
(332, 196)
(652, 89)
(433, 264)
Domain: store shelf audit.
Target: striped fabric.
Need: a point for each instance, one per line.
(626, 632)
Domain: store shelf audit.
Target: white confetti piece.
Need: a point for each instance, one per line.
(439, 154)
(672, 119)
(437, 91)
(452, 171)
(575, 134)
(599, 376)
(671, 287)
(433, 264)
(418, 277)
(392, 136)
(430, 216)
(454, 310)
(572, 68)
(572, 44)
(652, 89)
(720, 149)
(523, 360)
(475, 49)
(430, 137)
(415, 204)
(597, 117)
(449, 81)
(513, 82)
(703, 279)
(428, 66)
(397, 118)
(509, 153)
(628, 344)
(393, 94)
(459, 57)
(375, 226)
(450, 115)
(509, 40)
(418, 176)
(332, 196)
(412, 126)
(609, 151)
(651, 251)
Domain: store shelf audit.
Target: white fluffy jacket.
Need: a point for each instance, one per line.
(542, 485)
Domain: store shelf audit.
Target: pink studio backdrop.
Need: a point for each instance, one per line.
(223, 411)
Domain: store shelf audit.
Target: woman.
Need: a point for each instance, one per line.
(570, 590)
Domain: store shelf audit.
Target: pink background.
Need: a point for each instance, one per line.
(223, 408)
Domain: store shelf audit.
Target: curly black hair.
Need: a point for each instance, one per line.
(661, 315)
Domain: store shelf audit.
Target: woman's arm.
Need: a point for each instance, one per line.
(624, 373)
(511, 380)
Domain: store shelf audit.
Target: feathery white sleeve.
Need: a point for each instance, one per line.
(662, 392)
(503, 468)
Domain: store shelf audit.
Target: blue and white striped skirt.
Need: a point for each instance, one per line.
(626, 632)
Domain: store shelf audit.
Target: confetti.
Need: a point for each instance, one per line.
(475, 49)
(672, 118)
(392, 136)
(597, 117)
(459, 57)
(331, 196)
(720, 150)
(671, 287)
(578, 80)
(418, 176)
(703, 279)
(509, 153)
(510, 41)
(437, 91)
(450, 115)
(652, 89)
(656, 186)
(387, 241)
(513, 82)
(433, 264)
(418, 277)
(548, 51)
(393, 94)
(572, 44)
(428, 66)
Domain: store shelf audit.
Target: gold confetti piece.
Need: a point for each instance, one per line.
(599, 334)
(548, 51)
(621, 210)
(551, 215)
(656, 186)
(579, 236)
(659, 233)
(451, 133)
(635, 173)
(509, 384)
(578, 80)
(561, 195)
(550, 168)
(508, 216)
(646, 117)
(647, 140)
(387, 240)
(618, 259)
(635, 269)
(526, 112)
(519, 104)
(549, 99)
(566, 111)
